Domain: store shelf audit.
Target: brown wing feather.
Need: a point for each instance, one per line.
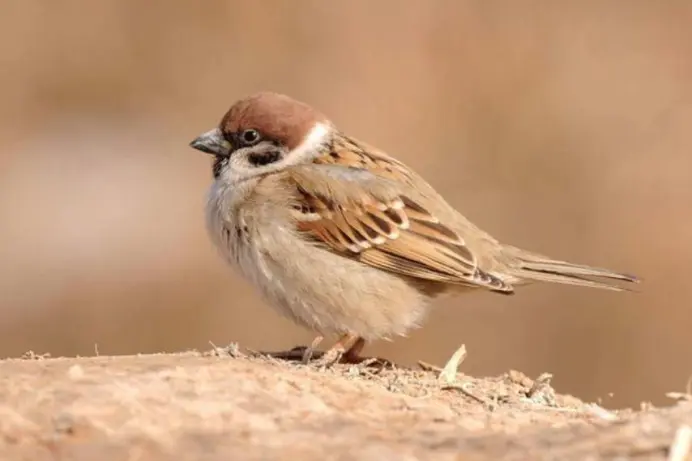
(365, 217)
(349, 152)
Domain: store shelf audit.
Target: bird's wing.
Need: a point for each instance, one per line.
(368, 217)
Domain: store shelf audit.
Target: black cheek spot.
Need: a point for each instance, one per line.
(264, 158)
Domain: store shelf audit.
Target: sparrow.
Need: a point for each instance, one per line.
(344, 239)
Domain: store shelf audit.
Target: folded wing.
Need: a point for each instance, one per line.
(369, 218)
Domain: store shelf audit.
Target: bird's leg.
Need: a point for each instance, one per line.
(330, 356)
(338, 351)
(352, 355)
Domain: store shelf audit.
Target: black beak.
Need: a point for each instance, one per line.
(212, 142)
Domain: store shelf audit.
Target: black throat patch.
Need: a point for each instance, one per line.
(219, 164)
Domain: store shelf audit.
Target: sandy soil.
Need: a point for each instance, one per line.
(228, 405)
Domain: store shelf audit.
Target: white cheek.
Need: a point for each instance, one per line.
(309, 148)
(237, 169)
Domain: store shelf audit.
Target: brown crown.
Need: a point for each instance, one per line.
(274, 115)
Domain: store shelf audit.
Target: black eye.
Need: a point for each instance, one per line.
(249, 137)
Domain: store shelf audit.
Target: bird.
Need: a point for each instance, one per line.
(343, 238)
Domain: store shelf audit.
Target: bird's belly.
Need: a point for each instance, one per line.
(328, 293)
(332, 294)
(312, 286)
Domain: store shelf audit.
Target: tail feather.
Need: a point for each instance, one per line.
(531, 266)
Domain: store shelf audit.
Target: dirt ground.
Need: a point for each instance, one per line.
(228, 405)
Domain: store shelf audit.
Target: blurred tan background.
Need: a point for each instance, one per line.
(563, 129)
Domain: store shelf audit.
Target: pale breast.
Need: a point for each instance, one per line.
(229, 229)
(310, 285)
(239, 226)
